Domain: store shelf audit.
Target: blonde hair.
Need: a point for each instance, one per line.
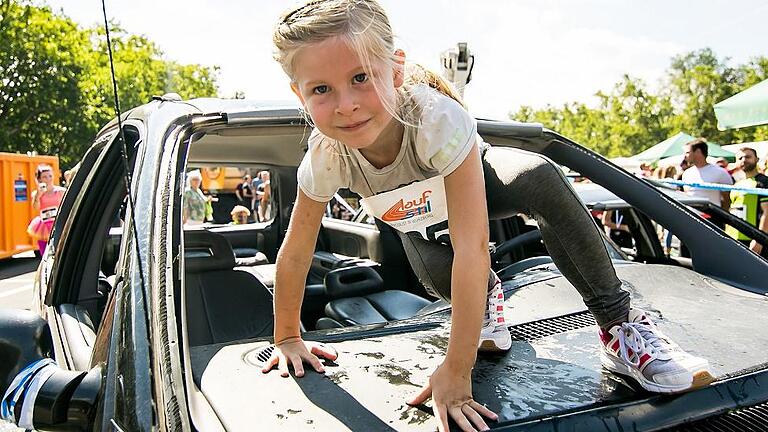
(364, 27)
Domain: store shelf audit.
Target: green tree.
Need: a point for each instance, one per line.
(56, 83)
(40, 64)
(629, 118)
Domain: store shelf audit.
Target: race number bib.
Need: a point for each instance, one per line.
(48, 213)
(419, 207)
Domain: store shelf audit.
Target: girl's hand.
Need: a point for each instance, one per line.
(295, 352)
(452, 395)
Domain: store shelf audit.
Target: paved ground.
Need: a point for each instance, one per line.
(16, 277)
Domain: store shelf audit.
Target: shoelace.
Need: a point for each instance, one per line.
(641, 338)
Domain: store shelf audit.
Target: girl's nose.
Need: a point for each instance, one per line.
(347, 104)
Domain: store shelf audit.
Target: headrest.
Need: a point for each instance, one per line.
(352, 282)
(207, 251)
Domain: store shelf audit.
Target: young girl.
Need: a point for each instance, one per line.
(400, 138)
(46, 199)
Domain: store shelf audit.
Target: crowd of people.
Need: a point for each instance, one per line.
(746, 172)
(252, 200)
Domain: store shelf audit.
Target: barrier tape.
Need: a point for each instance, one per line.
(715, 186)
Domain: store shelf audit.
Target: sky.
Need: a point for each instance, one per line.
(527, 52)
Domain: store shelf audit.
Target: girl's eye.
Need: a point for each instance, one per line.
(320, 89)
(360, 78)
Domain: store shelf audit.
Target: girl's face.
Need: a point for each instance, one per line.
(194, 183)
(46, 177)
(339, 94)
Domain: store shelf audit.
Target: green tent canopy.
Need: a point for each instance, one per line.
(673, 146)
(748, 108)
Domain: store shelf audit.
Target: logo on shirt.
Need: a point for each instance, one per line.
(407, 209)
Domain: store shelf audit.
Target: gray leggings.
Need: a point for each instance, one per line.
(517, 181)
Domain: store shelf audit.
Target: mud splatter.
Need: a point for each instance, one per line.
(415, 416)
(433, 344)
(376, 355)
(291, 411)
(338, 377)
(396, 375)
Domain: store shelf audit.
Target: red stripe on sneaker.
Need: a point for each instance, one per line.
(630, 352)
(500, 308)
(500, 320)
(615, 346)
(643, 359)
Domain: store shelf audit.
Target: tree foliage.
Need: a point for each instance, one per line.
(56, 88)
(630, 118)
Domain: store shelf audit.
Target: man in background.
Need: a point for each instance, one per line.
(752, 208)
(700, 171)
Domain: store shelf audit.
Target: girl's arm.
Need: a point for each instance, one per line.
(468, 226)
(293, 261)
(451, 385)
(35, 200)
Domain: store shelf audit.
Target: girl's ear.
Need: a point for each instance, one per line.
(398, 75)
(295, 89)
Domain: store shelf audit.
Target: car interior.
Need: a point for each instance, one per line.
(359, 273)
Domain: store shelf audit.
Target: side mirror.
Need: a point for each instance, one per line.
(67, 399)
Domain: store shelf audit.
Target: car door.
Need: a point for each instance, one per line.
(98, 321)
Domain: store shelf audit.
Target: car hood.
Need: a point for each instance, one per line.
(553, 368)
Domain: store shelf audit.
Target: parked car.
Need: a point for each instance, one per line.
(154, 326)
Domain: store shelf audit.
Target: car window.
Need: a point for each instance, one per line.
(88, 245)
(233, 195)
(344, 205)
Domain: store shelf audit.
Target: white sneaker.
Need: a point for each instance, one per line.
(638, 349)
(494, 335)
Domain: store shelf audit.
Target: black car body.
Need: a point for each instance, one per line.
(169, 330)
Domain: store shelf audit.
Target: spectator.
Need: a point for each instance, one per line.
(46, 199)
(750, 207)
(195, 203)
(700, 171)
(244, 192)
(256, 184)
(240, 215)
(645, 170)
(264, 194)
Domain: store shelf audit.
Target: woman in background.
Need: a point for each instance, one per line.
(46, 199)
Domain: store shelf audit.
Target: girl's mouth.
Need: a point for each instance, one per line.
(354, 126)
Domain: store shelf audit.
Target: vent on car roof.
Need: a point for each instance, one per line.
(750, 419)
(259, 356)
(551, 326)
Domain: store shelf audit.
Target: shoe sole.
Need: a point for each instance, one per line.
(700, 378)
(490, 345)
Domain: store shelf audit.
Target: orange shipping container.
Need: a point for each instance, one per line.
(17, 181)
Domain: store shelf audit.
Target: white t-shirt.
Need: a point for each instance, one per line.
(707, 174)
(445, 135)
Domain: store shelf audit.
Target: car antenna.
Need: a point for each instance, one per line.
(124, 152)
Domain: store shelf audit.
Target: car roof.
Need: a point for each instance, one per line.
(594, 195)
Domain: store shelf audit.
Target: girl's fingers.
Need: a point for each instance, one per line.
(270, 364)
(482, 410)
(282, 366)
(324, 351)
(315, 362)
(298, 365)
(441, 413)
(460, 419)
(474, 417)
(424, 394)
